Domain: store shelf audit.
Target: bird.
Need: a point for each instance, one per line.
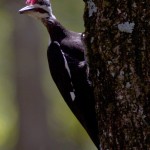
(68, 66)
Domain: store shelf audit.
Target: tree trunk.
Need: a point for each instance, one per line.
(118, 52)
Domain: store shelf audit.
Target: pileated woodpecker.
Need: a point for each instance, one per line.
(67, 66)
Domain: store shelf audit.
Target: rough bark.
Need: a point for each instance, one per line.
(118, 43)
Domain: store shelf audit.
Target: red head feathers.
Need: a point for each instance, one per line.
(41, 2)
(31, 2)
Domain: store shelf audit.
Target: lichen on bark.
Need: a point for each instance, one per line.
(118, 51)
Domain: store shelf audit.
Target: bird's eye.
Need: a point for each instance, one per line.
(42, 2)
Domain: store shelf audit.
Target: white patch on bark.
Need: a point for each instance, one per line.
(134, 5)
(120, 97)
(92, 8)
(109, 62)
(126, 27)
(98, 73)
(128, 85)
(92, 39)
(137, 91)
(121, 75)
(113, 74)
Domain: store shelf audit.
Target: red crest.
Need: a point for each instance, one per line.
(31, 2)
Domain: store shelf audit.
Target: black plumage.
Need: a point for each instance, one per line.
(68, 44)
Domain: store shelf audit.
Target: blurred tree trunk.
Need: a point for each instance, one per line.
(117, 37)
(33, 132)
(33, 121)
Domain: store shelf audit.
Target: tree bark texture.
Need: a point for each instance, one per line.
(117, 36)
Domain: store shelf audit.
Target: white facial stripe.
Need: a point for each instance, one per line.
(38, 15)
(44, 7)
(48, 9)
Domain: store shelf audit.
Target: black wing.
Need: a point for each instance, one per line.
(59, 71)
(70, 77)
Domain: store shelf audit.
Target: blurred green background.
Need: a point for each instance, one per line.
(33, 115)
